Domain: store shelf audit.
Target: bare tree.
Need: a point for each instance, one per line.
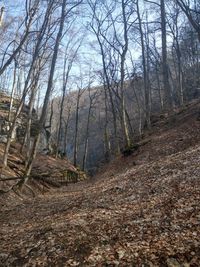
(192, 13)
(92, 98)
(26, 85)
(30, 15)
(96, 26)
(68, 63)
(42, 119)
(177, 58)
(80, 92)
(165, 66)
(145, 71)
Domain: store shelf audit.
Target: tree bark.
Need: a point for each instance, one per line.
(145, 75)
(165, 67)
(48, 92)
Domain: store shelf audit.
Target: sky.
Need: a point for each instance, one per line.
(89, 58)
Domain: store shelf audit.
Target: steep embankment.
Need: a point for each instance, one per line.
(47, 173)
(142, 211)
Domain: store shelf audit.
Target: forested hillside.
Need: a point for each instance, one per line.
(155, 52)
(97, 73)
(140, 210)
(99, 133)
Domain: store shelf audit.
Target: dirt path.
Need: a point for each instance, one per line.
(128, 220)
(146, 214)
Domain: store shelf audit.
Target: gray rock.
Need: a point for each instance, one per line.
(3, 139)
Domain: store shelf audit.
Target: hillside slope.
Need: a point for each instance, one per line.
(141, 210)
(47, 172)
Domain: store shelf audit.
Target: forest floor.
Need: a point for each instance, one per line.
(141, 210)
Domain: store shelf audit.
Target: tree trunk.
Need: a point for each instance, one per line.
(165, 67)
(48, 91)
(76, 128)
(26, 88)
(24, 38)
(145, 75)
(125, 130)
(106, 134)
(13, 91)
(65, 80)
(86, 138)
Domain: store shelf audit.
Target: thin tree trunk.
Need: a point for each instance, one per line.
(125, 130)
(108, 86)
(48, 92)
(24, 38)
(167, 87)
(13, 92)
(106, 134)
(26, 88)
(27, 137)
(145, 75)
(86, 138)
(76, 129)
(65, 80)
(159, 89)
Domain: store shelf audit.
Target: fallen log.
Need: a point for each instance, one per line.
(12, 178)
(134, 147)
